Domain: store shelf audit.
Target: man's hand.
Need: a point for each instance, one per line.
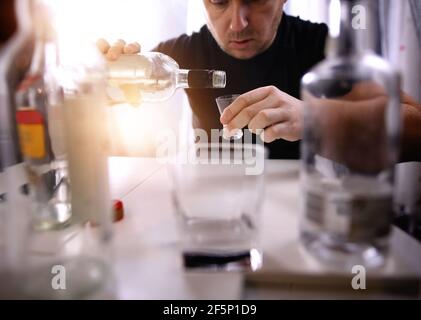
(268, 109)
(117, 49)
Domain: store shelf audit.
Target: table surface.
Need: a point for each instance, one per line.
(147, 262)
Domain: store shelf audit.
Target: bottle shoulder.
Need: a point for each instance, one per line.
(358, 67)
(337, 76)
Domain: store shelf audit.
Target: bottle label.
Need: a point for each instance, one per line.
(200, 79)
(314, 207)
(357, 218)
(31, 131)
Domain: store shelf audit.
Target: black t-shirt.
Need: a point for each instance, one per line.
(298, 46)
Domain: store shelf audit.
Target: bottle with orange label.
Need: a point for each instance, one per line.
(39, 125)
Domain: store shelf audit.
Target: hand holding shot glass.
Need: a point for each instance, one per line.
(223, 102)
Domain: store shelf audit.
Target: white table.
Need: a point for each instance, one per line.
(148, 264)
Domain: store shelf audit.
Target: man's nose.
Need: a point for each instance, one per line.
(239, 17)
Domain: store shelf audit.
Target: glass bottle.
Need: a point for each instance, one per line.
(74, 262)
(408, 198)
(15, 59)
(154, 77)
(39, 123)
(352, 126)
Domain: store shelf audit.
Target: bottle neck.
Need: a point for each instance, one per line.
(182, 78)
(357, 29)
(45, 40)
(200, 79)
(37, 63)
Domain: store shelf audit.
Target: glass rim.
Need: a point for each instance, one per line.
(231, 147)
(228, 97)
(260, 149)
(235, 146)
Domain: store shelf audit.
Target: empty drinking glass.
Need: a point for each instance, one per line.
(217, 194)
(223, 102)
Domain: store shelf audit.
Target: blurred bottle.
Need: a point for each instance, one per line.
(408, 198)
(40, 129)
(403, 50)
(15, 58)
(350, 145)
(154, 77)
(64, 130)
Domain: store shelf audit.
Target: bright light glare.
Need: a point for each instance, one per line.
(134, 129)
(334, 17)
(145, 21)
(80, 22)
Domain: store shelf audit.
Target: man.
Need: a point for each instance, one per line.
(264, 52)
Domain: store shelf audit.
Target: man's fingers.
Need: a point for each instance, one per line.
(245, 100)
(282, 130)
(268, 117)
(244, 117)
(132, 48)
(116, 50)
(103, 46)
(113, 54)
(120, 43)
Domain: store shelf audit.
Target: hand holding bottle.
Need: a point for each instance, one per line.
(151, 77)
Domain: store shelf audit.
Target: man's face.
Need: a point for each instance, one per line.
(244, 28)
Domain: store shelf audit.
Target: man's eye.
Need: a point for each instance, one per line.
(219, 2)
(257, 2)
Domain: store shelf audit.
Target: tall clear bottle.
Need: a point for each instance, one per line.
(154, 77)
(71, 129)
(350, 145)
(39, 124)
(15, 58)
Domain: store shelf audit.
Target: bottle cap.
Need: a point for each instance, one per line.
(118, 210)
(206, 79)
(117, 213)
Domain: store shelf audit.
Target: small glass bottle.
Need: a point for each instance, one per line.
(352, 126)
(39, 124)
(154, 77)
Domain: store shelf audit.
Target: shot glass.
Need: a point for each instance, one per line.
(223, 102)
(217, 204)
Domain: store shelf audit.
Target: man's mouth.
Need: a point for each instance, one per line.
(240, 44)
